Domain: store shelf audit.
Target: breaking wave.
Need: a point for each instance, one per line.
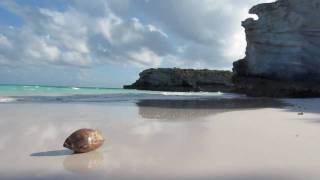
(7, 99)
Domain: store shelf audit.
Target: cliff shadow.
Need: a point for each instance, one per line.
(304, 107)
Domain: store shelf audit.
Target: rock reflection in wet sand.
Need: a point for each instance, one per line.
(196, 109)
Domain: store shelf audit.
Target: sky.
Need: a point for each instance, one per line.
(106, 43)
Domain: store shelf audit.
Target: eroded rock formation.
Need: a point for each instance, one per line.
(283, 50)
(174, 79)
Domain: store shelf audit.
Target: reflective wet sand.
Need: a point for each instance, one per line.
(163, 140)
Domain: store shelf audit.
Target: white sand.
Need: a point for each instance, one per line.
(265, 143)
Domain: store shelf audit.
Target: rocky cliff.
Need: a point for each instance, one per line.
(167, 79)
(283, 50)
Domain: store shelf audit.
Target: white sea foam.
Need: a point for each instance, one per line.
(75, 88)
(6, 99)
(191, 93)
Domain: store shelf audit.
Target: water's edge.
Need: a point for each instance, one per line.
(42, 94)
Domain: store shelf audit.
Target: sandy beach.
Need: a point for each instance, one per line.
(157, 140)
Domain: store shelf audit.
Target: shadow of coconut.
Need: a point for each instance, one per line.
(52, 153)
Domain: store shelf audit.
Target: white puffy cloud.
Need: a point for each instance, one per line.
(4, 41)
(145, 57)
(207, 33)
(78, 37)
(153, 33)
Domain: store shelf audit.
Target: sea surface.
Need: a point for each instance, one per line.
(36, 93)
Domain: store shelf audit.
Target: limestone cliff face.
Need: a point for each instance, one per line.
(282, 45)
(174, 79)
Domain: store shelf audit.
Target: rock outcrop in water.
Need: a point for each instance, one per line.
(174, 79)
(283, 50)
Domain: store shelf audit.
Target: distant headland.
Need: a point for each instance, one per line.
(175, 79)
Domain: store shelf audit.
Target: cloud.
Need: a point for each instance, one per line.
(4, 42)
(81, 38)
(206, 32)
(137, 33)
(145, 57)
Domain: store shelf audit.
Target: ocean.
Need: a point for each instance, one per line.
(64, 94)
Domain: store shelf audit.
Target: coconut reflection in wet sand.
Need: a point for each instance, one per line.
(76, 163)
(152, 139)
(82, 163)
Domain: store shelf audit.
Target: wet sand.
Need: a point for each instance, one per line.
(163, 140)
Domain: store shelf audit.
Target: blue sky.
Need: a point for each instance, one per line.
(106, 43)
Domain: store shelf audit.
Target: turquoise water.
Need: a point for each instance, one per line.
(35, 90)
(34, 93)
